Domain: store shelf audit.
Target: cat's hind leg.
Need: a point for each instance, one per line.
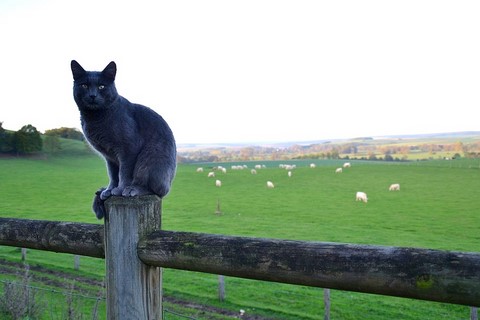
(155, 170)
(160, 180)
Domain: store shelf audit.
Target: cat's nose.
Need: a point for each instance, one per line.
(93, 97)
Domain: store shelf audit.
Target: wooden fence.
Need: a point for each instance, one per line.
(135, 249)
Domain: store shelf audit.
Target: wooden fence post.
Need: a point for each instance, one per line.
(221, 288)
(76, 262)
(326, 302)
(133, 288)
(473, 313)
(24, 254)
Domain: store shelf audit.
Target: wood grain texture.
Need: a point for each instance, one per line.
(433, 275)
(133, 288)
(66, 237)
(444, 276)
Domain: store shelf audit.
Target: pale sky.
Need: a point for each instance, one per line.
(247, 71)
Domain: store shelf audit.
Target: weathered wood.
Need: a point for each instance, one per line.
(221, 288)
(434, 275)
(326, 303)
(473, 313)
(76, 262)
(133, 288)
(452, 277)
(66, 237)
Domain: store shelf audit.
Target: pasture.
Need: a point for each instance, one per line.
(437, 207)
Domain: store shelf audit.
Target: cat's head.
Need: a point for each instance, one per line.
(94, 90)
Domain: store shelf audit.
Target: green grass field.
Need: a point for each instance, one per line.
(437, 207)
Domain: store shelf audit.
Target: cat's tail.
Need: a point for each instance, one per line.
(99, 205)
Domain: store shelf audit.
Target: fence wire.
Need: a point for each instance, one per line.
(178, 315)
(168, 314)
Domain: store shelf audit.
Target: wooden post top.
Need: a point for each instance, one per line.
(132, 201)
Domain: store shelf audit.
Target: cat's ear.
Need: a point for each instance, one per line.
(110, 71)
(77, 70)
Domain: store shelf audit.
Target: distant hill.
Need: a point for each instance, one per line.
(390, 148)
(286, 144)
(437, 135)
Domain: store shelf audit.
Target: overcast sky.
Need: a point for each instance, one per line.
(249, 71)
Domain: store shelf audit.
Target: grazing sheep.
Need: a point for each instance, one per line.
(218, 183)
(253, 171)
(200, 169)
(289, 174)
(338, 170)
(394, 187)
(361, 196)
(270, 185)
(258, 166)
(312, 165)
(347, 165)
(211, 174)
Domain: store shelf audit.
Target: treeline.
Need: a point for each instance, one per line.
(29, 140)
(357, 150)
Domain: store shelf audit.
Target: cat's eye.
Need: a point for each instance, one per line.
(84, 86)
(101, 87)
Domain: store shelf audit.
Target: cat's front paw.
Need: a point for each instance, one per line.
(105, 194)
(117, 191)
(133, 191)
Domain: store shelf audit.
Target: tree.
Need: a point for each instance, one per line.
(372, 156)
(388, 157)
(335, 154)
(6, 140)
(67, 133)
(27, 140)
(51, 143)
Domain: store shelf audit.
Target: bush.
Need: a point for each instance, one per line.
(19, 300)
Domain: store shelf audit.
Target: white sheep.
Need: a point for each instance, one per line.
(218, 183)
(338, 170)
(289, 174)
(200, 169)
(211, 174)
(347, 165)
(258, 166)
(394, 187)
(270, 185)
(361, 196)
(253, 171)
(312, 165)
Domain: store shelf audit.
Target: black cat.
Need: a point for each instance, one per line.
(136, 142)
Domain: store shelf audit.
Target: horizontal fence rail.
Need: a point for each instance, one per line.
(435, 275)
(65, 237)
